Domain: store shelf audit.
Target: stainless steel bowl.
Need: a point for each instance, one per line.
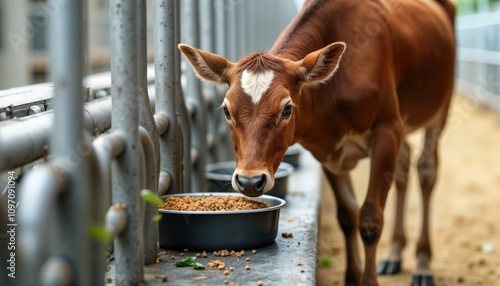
(214, 230)
(219, 177)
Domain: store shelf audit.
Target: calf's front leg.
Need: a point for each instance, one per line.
(384, 150)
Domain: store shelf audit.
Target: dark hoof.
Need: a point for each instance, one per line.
(388, 267)
(422, 280)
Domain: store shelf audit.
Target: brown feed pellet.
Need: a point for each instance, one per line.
(212, 203)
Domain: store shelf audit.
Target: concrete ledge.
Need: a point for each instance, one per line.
(287, 261)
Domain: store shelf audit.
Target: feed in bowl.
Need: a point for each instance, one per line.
(212, 203)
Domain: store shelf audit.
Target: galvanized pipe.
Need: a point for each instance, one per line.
(241, 34)
(150, 227)
(69, 236)
(221, 37)
(147, 121)
(166, 96)
(38, 197)
(23, 141)
(129, 263)
(209, 90)
(107, 147)
(181, 107)
(190, 33)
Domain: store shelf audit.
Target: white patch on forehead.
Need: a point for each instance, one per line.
(255, 84)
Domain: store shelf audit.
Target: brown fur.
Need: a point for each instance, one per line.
(395, 76)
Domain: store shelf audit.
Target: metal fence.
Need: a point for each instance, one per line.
(143, 126)
(153, 127)
(478, 57)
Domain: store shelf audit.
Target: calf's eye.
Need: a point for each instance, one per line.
(287, 112)
(226, 113)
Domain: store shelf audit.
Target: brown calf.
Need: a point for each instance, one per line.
(396, 76)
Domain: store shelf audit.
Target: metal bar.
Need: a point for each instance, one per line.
(166, 96)
(30, 136)
(481, 56)
(241, 33)
(107, 147)
(147, 121)
(70, 149)
(230, 18)
(221, 37)
(25, 96)
(183, 116)
(190, 33)
(39, 194)
(41, 93)
(129, 266)
(150, 226)
(480, 20)
(209, 90)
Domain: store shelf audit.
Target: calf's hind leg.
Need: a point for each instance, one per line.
(392, 263)
(427, 172)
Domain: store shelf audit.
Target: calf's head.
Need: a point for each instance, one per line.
(262, 105)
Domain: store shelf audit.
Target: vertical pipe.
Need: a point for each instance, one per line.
(231, 29)
(69, 147)
(221, 37)
(146, 120)
(125, 119)
(190, 34)
(209, 90)
(241, 33)
(165, 93)
(183, 116)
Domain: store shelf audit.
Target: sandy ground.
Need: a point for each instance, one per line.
(465, 207)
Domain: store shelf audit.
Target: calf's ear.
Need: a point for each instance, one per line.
(208, 66)
(319, 66)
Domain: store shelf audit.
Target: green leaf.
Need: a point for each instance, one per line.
(151, 198)
(325, 262)
(157, 217)
(198, 266)
(186, 262)
(100, 233)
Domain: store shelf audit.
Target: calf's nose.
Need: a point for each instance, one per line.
(253, 186)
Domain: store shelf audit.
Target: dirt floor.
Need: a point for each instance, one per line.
(465, 207)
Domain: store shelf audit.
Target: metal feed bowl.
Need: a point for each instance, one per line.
(214, 230)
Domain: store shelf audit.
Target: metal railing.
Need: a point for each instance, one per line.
(84, 151)
(132, 128)
(478, 57)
